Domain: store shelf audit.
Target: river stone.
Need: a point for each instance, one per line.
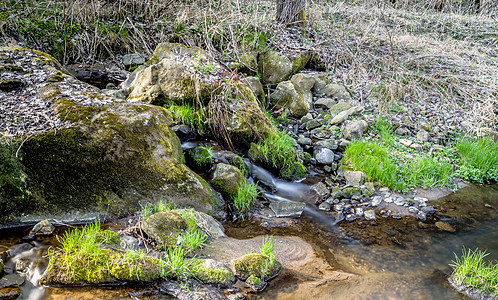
(135, 59)
(275, 67)
(413, 210)
(423, 136)
(213, 266)
(421, 216)
(306, 118)
(355, 130)
(184, 132)
(257, 88)
(164, 227)
(290, 96)
(333, 90)
(445, 226)
(428, 210)
(339, 118)
(324, 156)
(354, 178)
(305, 81)
(252, 265)
(325, 103)
(302, 140)
(328, 143)
(287, 209)
(324, 206)
(339, 107)
(315, 123)
(44, 227)
(206, 223)
(11, 281)
(376, 200)
(370, 215)
(425, 126)
(227, 179)
(10, 293)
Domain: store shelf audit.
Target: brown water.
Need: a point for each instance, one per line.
(392, 259)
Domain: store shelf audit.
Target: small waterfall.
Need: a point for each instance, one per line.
(32, 263)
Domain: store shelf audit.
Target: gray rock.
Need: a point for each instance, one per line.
(324, 156)
(325, 103)
(287, 209)
(135, 59)
(329, 144)
(339, 118)
(315, 123)
(388, 200)
(429, 210)
(304, 140)
(44, 227)
(421, 216)
(354, 178)
(305, 81)
(227, 179)
(256, 87)
(376, 200)
(339, 107)
(306, 118)
(423, 136)
(206, 223)
(413, 210)
(405, 142)
(11, 281)
(194, 292)
(333, 90)
(420, 201)
(275, 67)
(416, 146)
(370, 215)
(350, 217)
(290, 96)
(355, 130)
(339, 207)
(358, 211)
(320, 189)
(399, 201)
(324, 206)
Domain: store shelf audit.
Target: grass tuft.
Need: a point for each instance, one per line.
(188, 115)
(471, 270)
(246, 197)
(478, 160)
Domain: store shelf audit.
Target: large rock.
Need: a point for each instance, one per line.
(355, 129)
(257, 88)
(292, 97)
(332, 90)
(304, 81)
(354, 178)
(324, 156)
(174, 73)
(164, 227)
(227, 179)
(89, 155)
(275, 67)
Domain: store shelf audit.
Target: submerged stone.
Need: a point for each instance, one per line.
(287, 209)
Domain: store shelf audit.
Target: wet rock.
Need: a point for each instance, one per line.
(339, 107)
(413, 210)
(339, 207)
(370, 215)
(399, 201)
(227, 179)
(315, 123)
(44, 227)
(10, 293)
(255, 283)
(19, 248)
(325, 103)
(11, 281)
(444, 226)
(131, 60)
(304, 140)
(287, 209)
(290, 96)
(355, 130)
(351, 217)
(324, 156)
(420, 201)
(377, 200)
(193, 291)
(320, 189)
(354, 178)
(358, 211)
(184, 132)
(428, 210)
(324, 206)
(257, 265)
(388, 200)
(164, 227)
(423, 136)
(213, 272)
(305, 81)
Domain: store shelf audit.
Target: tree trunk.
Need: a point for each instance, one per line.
(291, 11)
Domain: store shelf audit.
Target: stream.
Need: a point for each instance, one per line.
(389, 259)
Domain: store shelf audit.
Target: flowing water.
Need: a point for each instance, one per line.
(392, 259)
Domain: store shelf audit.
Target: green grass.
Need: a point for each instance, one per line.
(146, 210)
(267, 246)
(478, 160)
(385, 131)
(397, 172)
(471, 270)
(177, 263)
(246, 197)
(193, 238)
(188, 115)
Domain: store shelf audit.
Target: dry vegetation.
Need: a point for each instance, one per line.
(428, 59)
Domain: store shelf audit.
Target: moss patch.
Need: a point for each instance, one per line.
(255, 264)
(164, 227)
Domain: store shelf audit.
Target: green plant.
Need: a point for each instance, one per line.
(13, 193)
(267, 246)
(471, 270)
(147, 209)
(179, 266)
(246, 197)
(193, 238)
(186, 114)
(478, 160)
(385, 131)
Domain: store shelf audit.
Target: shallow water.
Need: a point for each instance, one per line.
(393, 259)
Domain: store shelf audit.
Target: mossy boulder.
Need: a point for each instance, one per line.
(199, 157)
(131, 268)
(212, 228)
(227, 179)
(164, 227)
(92, 155)
(257, 88)
(275, 67)
(292, 97)
(212, 271)
(255, 264)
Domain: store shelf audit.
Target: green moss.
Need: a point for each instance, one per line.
(253, 280)
(209, 275)
(13, 190)
(164, 227)
(201, 156)
(227, 179)
(135, 266)
(255, 264)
